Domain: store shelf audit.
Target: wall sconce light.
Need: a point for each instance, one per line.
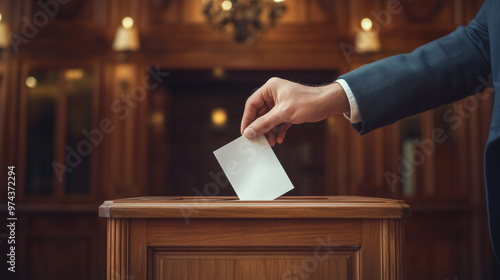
(31, 82)
(219, 117)
(126, 38)
(4, 37)
(367, 39)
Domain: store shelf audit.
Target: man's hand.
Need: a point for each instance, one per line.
(279, 103)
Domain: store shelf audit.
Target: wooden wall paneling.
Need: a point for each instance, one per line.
(357, 167)
(470, 9)
(428, 166)
(334, 160)
(192, 12)
(443, 13)
(7, 115)
(115, 161)
(105, 159)
(3, 116)
(126, 73)
(465, 187)
(438, 246)
(379, 165)
(178, 45)
(75, 10)
(164, 12)
(4, 96)
(58, 246)
(96, 119)
(344, 156)
(124, 162)
(476, 126)
(159, 142)
(320, 11)
(473, 166)
(61, 127)
(368, 164)
(140, 150)
(11, 131)
(391, 157)
(297, 12)
(22, 133)
(284, 47)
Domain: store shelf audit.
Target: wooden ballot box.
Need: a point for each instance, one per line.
(335, 237)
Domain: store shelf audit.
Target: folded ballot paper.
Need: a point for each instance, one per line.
(253, 169)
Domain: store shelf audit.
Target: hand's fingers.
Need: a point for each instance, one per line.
(281, 132)
(262, 111)
(254, 105)
(271, 138)
(263, 124)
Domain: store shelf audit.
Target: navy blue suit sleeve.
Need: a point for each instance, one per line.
(435, 74)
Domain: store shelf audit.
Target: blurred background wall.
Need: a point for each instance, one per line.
(84, 121)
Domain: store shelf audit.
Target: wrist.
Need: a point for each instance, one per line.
(335, 99)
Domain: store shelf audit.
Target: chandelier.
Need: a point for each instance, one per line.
(245, 19)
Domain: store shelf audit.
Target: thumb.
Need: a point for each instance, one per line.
(263, 124)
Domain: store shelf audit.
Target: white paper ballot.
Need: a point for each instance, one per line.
(253, 169)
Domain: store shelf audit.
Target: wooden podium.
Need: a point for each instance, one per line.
(223, 238)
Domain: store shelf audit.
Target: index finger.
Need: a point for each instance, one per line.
(255, 102)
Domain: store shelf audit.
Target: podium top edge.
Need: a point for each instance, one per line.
(231, 207)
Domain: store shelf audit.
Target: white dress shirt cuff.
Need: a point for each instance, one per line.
(352, 116)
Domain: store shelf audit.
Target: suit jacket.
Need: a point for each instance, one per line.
(435, 74)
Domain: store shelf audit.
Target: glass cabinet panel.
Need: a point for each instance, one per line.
(78, 85)
(410, 134)
(41, 108)
(58, 112)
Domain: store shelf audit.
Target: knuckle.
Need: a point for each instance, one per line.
(273, 80)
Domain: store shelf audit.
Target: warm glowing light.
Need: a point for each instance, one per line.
(226, 5)
(158, 119)
(277, 1)
(219, 117)
(219, 72)
(0, 17)
(366, 24)
(31, 82)
(74, 74)
(128, 22)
